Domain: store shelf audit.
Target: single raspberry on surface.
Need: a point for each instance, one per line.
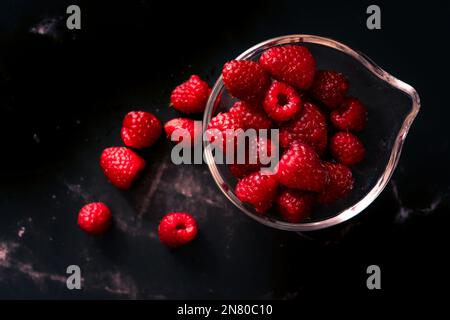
(309, 127)
(330, 88)
(340, 183)
(351, 115)
(184, 128)
(282, 102)
(257, 189)
(347, 148)
(253, 117)
(191, 96)
(300, 168)
(218, 127)
(177, 229)
(245, 80)
(94, 218)
(256, 150)
(121, 166)
(294, 205)
(140, 129)
(292, 64)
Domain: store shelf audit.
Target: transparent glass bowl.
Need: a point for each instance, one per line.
(392, 106)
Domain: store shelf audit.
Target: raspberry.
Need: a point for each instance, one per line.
(351, 115)
(245, 80)
(292, 64)
(257, 189)
(94, 218)
(241, 170)
(294, 205)
(252, 117)
(263, 146)
(347, 148)
(282, 102)
(121, 166)
(184, 126)
(309, 127)
(330, 88)
(140, 129)
(339, 185)
(177, 229)
(191, 96)
(300, 168)
(220, 124)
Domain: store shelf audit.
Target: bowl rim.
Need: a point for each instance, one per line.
(382, 181)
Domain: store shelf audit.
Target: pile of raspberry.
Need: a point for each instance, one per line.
(317, 125)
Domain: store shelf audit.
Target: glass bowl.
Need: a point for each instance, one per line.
(392, 106)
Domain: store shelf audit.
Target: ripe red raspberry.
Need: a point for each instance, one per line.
(177, 229)
(185, 128)
(282, 102)
(340, 183)
(261, 147)
(330, 88)
(94, 218)
(309, 126)
(219, 125)
(300, 168)
(121, 166)
(347, 148)
(191, 96)
(292, 64)
(253, 117)
(140, 129)
(294, 205)
(245, 80)
(257, 189)
(351, 115)
(241, 170)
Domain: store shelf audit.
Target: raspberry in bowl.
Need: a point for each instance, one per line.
(341, 120)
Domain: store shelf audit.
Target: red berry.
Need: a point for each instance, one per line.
(262, 147)
(225, 121)
(121, 166)
(351, 115)
(241, 170)
(294, 205)
(257, 189)
(292, 64)
(300, 168)
(282, 102)
(330, 88)
(177, 229)
(140, 129)
(184, 127)
(252, 116)
(191, 96)
(347, 148)
(94, 218)
(245, 80)
(309, 127)
(340, 183)
(220, 125)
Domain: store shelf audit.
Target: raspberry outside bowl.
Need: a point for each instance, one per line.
(392, 106)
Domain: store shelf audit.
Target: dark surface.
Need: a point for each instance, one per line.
(63, 95)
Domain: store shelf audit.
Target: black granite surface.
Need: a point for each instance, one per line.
(63, 95)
